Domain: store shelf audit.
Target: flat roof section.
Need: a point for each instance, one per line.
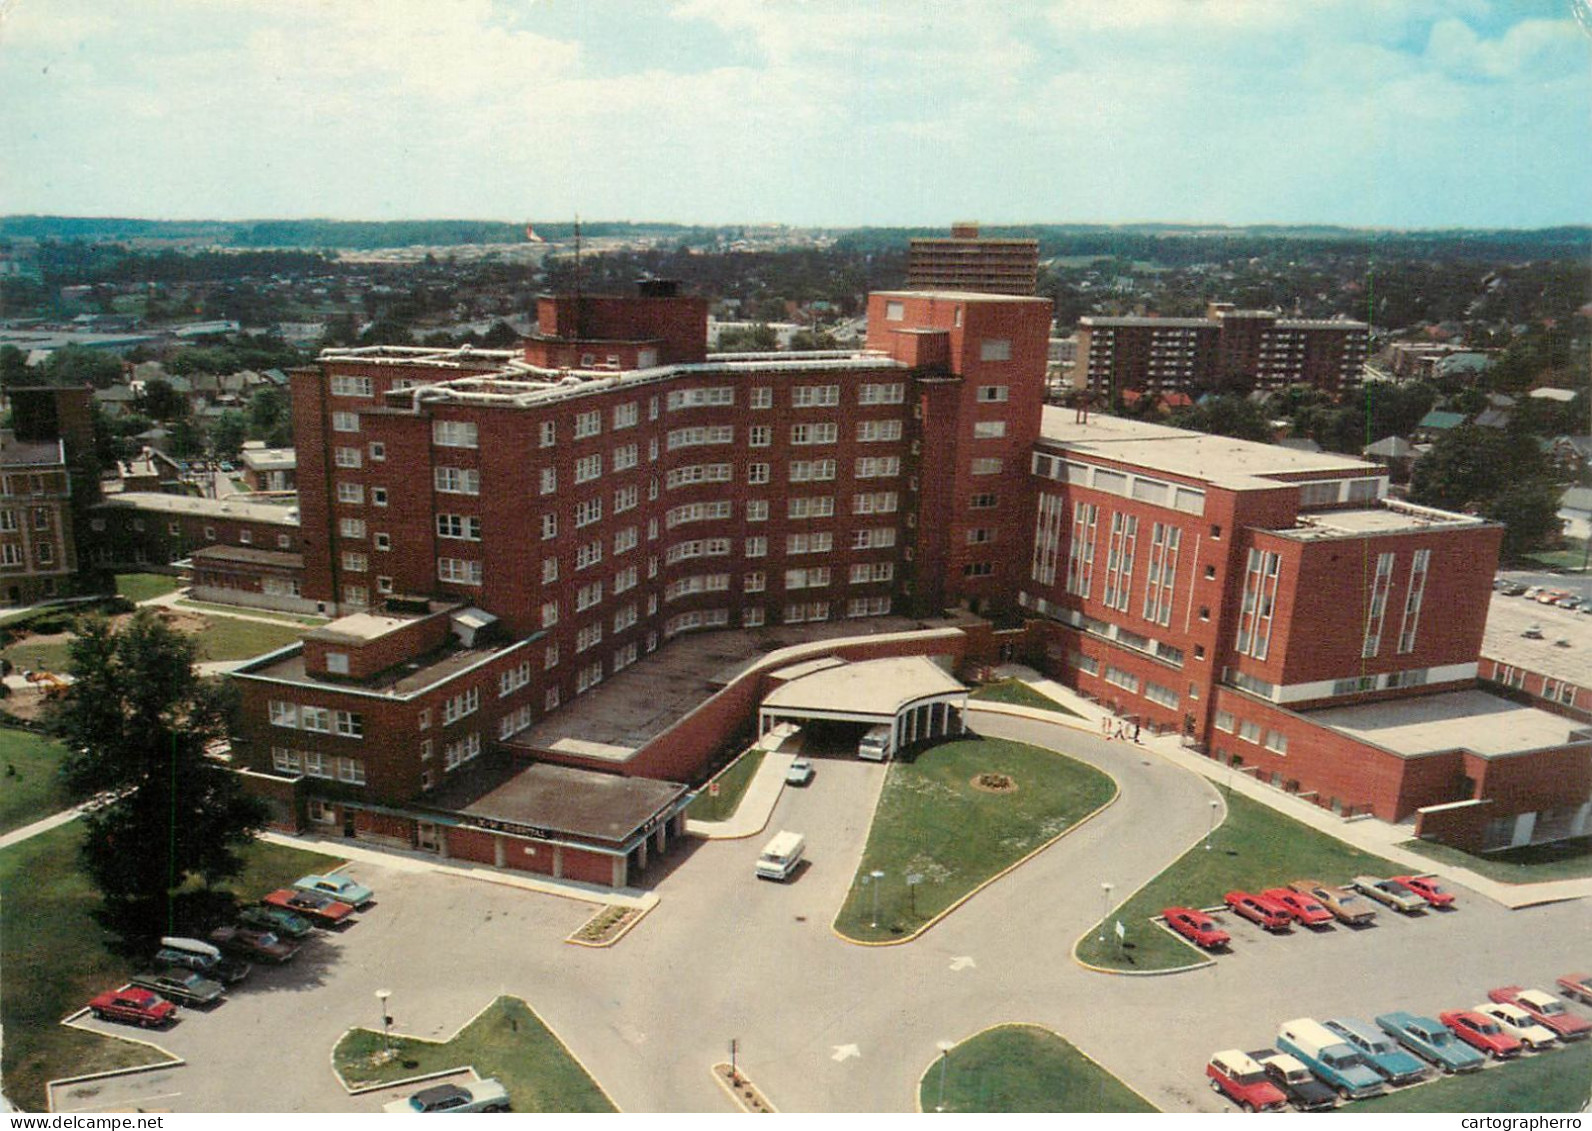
(400, 679)
(230, 507)
(1219, 460)
(1388, 517)
(1508, 620)
(1455, 720)
(558, 799)
(870, 687)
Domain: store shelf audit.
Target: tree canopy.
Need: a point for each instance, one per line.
(137, 722)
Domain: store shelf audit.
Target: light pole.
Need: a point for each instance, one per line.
(386, 1020)
(1105, 911)
(877, 876)
(945, 1048)
(1211, 828)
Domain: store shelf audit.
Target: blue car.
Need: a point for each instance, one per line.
(1432, 1040)
(340, 888)
(1389, 1061)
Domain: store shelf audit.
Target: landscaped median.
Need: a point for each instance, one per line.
(1018, 693)
(1022, 1068)
(506, 1040)
(955, 816)
(720, 804)
(1254, 848)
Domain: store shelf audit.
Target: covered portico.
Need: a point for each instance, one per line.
(916, 697)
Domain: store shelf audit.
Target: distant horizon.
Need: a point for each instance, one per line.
(1421, 115)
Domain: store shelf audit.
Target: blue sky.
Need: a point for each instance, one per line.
(1395, 113)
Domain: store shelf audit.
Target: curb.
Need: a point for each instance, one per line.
(1116, 793)
(173, 1061)
(917, 1098)
(739, 1102)
(625, 929)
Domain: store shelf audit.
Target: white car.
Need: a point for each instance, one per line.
(1519, 1024)
(800, 772)
(477, 1095)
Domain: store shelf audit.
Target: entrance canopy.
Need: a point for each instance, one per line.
(912, 693)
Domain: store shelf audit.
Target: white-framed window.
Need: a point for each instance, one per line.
(466, 527)
(626, 415)
(455, 754)
(757, 473)
(818, 542)
(995, 349)
(347, 457)
(988, 466)
(350, 493)
(626, 456)
(813, 577)
(865, 573)
(317, 719)
(759, 436)
(549, 570)
(814, 396)
(284, 714)
(993, 394)
(345, 422)
(588, 424)
(549, 480)
(877, 467)
(457, 480)
(875, 502)
(589, 467)
(802, 611)
(378, 451)
(378, 498)
(514, 721)
(811, 470)
(757, 547)
(588, 637)
(757, 510)
(878, 606)
(349, 724)
(588, 511)
(548, 433)
(754, 582)
(346, 528)
(549, 526)
(895, 311)
(344, 385)
(549, 613)
(467, 702)
(877, 538)
(589, 676)
(810, 506)
(701, 398)
(892, 393)
(701, 435)
(550, 657)
(625, 580)
(626, 540)
(874, 431)
(698, 473)
(989, 429)
(625, 617)
(823, 432)
(626, 498)
(762, 396)
(454, 433)
(697, 512)
(589, 554)
(588, 595)
(459, 571)
(354, 562)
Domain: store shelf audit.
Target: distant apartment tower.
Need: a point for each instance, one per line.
(968, 262)
(1158, 355)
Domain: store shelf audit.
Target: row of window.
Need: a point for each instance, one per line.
(321, 720)
(314, 764)
(1274, 740)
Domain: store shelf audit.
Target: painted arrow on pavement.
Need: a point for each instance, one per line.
(846, 1052)
(962, 963)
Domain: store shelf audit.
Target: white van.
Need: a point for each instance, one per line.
(877, 744)
(780, 856)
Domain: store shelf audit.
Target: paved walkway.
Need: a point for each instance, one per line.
(54, 821)
(176, 598)
(1365, 833)
(757, 803)
(400, 860)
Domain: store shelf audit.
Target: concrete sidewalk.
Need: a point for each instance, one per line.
(757, 803)
(54, 821)
(1365, 833)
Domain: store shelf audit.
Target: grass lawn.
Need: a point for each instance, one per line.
(933, 821)
(227, 638)
(34, 654)
(35, 790)
(1572, 556)
(733, 780)
(507, 1041)
(1552, 1081)
(1565, 860)
(1018, 693)
(55, 957)
(142, 586)
(1023, 1068)
(1256, 847)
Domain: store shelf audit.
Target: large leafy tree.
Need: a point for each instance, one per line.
(1504, 477)
(137, 722)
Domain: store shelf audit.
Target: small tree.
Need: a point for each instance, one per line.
(136, 722)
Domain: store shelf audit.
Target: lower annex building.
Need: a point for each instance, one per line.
(498, 532)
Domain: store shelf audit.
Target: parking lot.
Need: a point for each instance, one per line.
(823, 1025)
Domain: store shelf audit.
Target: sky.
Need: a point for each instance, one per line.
(1385, 113)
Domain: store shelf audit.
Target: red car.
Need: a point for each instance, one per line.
(135, 1006)
(1577, 987)
(1196, 926)
(1481, 1032)
(1259, 910)
(323, 909)
(1428, 889)
(1301, 907)
(1548, 1011)
(262, 946)
(1239, 1077)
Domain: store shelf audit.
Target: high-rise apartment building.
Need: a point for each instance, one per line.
(966, 261)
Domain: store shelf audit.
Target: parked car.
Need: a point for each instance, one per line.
(1346, 907)
(477, 1095)
(1550, 596)
(278, 920)
(1295, 1081)
(1512, 589)
(196, 954)
(1571, 602)
(1482, 1033)
(1576, 987)
(1196, 926)
(342, 888)
(262, 946)
(1520, 1025)
(175, 983)
(1548, 1011)
(322, 909)
(800, 772)
(1429, 889)
(1259, 910)
(1329, 1056)
(1237, 1075)
(1391, 892)
(134, 1005)
(1302, 907)
(1431, 1039)
(1384, 1056)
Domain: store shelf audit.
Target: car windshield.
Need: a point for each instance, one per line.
(1491, 1028)
(1250, 1078)
(1548, 1007)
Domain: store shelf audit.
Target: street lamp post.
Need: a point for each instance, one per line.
(386, 1019)
(945, 1048)
(1211, 828)
(877, 876)
(1105, 911)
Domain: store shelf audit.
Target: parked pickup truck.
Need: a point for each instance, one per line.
(1330, 1057)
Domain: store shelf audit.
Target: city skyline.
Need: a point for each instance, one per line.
(1349, 112)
